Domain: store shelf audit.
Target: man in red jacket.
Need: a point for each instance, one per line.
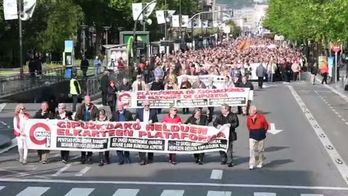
(258, 126)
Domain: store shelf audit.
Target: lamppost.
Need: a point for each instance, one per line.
(107, 28)
(199, 14)
(83, 35)
(21, 71)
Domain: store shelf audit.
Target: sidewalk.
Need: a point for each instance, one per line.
(336, 88)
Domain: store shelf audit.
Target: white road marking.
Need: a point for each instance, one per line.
(219, 193)
(33, 180)
(62, 170)
(80, 191)
(329, 147)
(216, 174)
(13, 144)
(264, 194)
(172, 193)
(2, 187)
(2, 106)
(312, 195)
(83, 171)
(33, 191)
(126, 192)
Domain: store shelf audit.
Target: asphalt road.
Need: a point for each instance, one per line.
(298, 163)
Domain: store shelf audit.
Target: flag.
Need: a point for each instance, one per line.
(10, 10)
(170, 13)
(185, 21)
(150, 9)
(137, 8)
(175, 21)
(160, 17)
(28, 9)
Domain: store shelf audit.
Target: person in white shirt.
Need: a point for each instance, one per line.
(19, 120)
(146, 115)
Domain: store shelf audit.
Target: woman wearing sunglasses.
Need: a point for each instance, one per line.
(21, 116)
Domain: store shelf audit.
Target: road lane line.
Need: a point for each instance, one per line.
(219, 185)
(172, 193)
(126, 192)
(312, 195)
(13, 144)
(2, 187)
(62, 170)
(83, 171)
(334, 155)
(33, 191)
(80, 191)
(219, 193)
(216, 174)
(264, 194)
(2, 106)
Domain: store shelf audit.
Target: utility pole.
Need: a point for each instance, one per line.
(180, 20)
(165, 17)
(21, 71)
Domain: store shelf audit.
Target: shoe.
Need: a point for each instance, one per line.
(101, 164)
(142, 163)
(121, 163)
(230, 165)
(128, 161)
(259, 166)
(223, 162)
(24, 162)
(89, 161)
(83, 162)
(44, 162)
(108, 162)
(21, 160)
(197, 161)
(149, 161)
(64, 161)
(200, 163)
(251, 167)
(173, 163)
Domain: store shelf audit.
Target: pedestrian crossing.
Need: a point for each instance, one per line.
(39, 191)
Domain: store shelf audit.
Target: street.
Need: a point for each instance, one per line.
(299, 162)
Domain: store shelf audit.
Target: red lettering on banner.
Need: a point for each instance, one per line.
(86, 133)
(137, 126)
(193, 137)
(158, 135)
(175, 136)
(142, 134)
(75, 124)
(61, 124)
(175, 128)
(95, 133)
(184, 136)
(60, 132)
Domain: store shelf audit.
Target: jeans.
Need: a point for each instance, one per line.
(270, 76)
(123, 156)
(260, 81)
(97, 70)
(75, 99)
(142, 156)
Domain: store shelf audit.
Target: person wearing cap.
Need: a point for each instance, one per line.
(97, 65)
(146, 115)
(139, 84)
(172, 118)
(122, 115)
(63, 114)
(198, 118)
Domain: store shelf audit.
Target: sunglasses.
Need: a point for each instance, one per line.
(22, 108)
(175, 110)
(146, 105)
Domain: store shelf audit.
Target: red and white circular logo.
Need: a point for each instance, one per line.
(39, 133)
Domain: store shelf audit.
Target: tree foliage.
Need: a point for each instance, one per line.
(316, 20)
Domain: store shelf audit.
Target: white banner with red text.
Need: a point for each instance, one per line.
(186, 98)
(131, 136)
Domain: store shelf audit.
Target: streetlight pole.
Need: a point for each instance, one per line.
(199, 14)
(84, 39)
(21, 71)
(106, 28)
(165, 23)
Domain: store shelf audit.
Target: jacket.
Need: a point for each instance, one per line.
(140, 114)
(17, 129)
(68, 116)
(92, 109)
(116, 116)
(231, 119)
(46, 115)
(203, 120)
(135, 86)
(111, 95)
(261, 71)
(168, 119)
(156, 86)
(104, 82)
(258, 126)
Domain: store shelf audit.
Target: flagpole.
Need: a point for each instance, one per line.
(21, 71)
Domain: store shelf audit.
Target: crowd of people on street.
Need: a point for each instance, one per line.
(232, 59)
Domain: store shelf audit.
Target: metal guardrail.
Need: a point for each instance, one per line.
(17, 84)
